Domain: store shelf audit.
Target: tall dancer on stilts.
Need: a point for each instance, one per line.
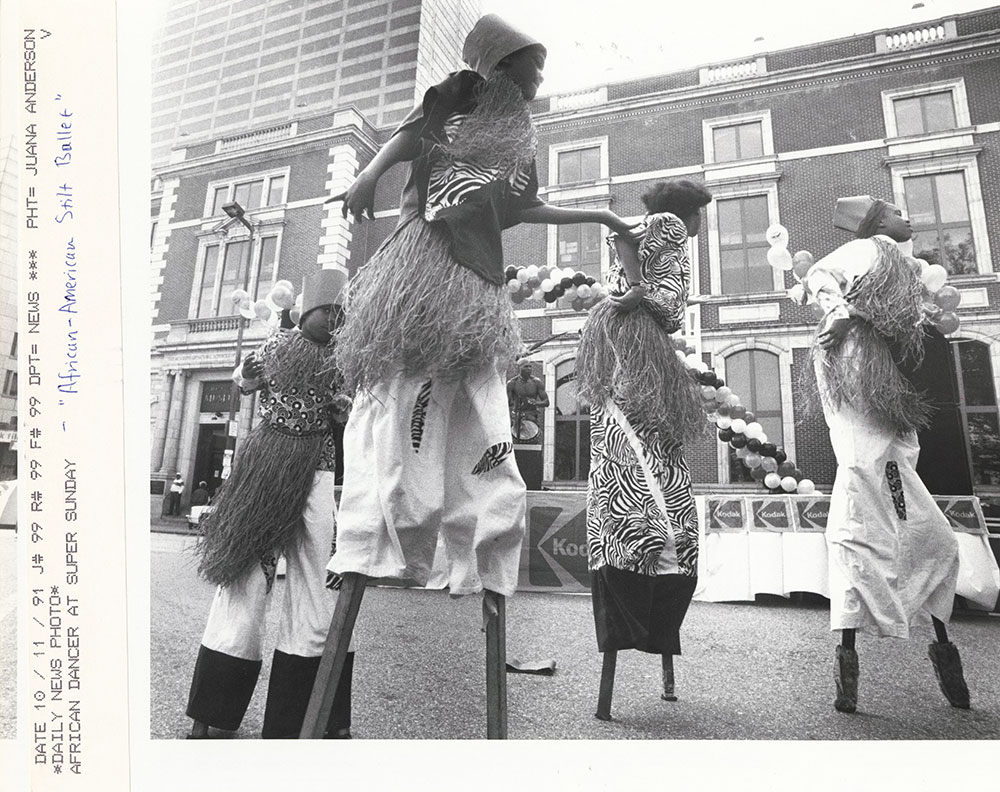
(642, 526)
(893, 555)
(429, 336)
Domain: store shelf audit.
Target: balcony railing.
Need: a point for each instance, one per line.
(217, 324)
(729, 72)
(255, 138)
(916, 36)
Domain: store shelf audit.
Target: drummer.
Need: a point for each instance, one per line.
(526, 396)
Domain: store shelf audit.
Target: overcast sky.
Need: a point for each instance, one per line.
(592, 43)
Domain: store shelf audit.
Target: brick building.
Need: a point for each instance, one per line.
(911, 115)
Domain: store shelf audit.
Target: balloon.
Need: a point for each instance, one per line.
(708, 393)
(517, 298)
(769, 464)
(758, 473)
(817, 310)
(577, 304)
(741, 452)
(801, 262)
(692, 360)
(805, 487)
(532, 283)
(777, 236)
(754, 444)
(772, 481)
(947, 322)
(922, 265)
(679, 342)
(768, 449)
(547, 285)
(797, 294)
(739, 411)
(287, 284)
(680, 355)
(948, 297)
(707, 377)
(550, 296)
(298, 300)
(739, 425)
(733, 400)
(522, 275)
(721, 394)
(513, 285)
(583, 292)
(752, 459)
(789, 484)
(723, 409)
(749, 417)
(510, 272)
(738, 441)
(532, 270)
(785, 468)
(261, 311)
(282, 297)
(754, 430)
(719, 382)
(565, 282)
(779, 456)
(537, 294)
(779, 258)
(579, 278)
(934, 277)
(689, 350)
(295, 314)
(726, 434)
(239, 296)
(724, 422)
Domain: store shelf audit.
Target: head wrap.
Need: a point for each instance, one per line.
(491, 40)
(852, 211)
(323, 287)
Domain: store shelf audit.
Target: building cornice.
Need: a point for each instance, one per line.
(775, 82)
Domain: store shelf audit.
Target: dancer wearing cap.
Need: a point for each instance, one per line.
(277, 500)
(893, 555)
(431, 329)
(642, 528)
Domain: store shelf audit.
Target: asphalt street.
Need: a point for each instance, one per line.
(761, 671)
(8, 634)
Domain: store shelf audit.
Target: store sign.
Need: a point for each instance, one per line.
(215, 396)
(724, 514)
(8, 435)
(770, 514)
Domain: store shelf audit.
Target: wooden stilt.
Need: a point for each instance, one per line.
(495, 616)
(338, 640)
(668, 678)
(607, 686)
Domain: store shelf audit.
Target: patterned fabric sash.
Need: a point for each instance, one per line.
(668, 556)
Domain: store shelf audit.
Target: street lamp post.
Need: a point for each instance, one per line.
(236, 212)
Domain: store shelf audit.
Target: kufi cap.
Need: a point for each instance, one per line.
(322, 287)
(851, 211)
(491, 40)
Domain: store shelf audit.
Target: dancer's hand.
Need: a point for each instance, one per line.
(359, 198)
(619, 226)
(252, 368)
(630, 300)
(836, 332)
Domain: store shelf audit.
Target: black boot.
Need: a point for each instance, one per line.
(948, 670)
(845, 673)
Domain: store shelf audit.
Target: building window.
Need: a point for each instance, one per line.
(925, 109)
(152, 234)
(251, 194)
(978, 404)
(223, 271)
(755, 375)
(572, 442)
(579, 247)
(578, 165)
(10, 384)
(938, 207)
(919, 115)
(743, 247)
(13, 346)
(738, 142)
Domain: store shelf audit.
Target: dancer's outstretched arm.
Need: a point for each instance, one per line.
(547, 214)
(359, 198)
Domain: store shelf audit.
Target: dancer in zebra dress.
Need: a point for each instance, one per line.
(642, 530)
(431, 331)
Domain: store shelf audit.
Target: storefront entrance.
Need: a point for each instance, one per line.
(208, 459)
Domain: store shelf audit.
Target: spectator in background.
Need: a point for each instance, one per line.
(174, 496)
(526, 396)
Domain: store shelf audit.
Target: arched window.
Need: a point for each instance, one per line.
(978, 404)
(572, 446)
(754, 375)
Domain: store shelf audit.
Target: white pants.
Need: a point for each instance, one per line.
(424, 456)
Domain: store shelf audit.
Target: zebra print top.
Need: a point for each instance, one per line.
(475, 202)
(665, 269)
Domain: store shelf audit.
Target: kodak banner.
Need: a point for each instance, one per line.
(810, 513)
(554, 555)
(964, 514)
(724, 514)
(770, 514)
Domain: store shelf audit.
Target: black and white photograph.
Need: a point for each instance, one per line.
(491, 340)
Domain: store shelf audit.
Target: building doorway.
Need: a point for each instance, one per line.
(209, 456)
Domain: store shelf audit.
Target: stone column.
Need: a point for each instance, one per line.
(160, 429)
(173, 432)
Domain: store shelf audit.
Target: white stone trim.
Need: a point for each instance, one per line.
(231, 182)
(161, 245)
(753, 312)
(974, 298)
(555, 149)
(958, 94)
(335, 243)
(944, 162)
